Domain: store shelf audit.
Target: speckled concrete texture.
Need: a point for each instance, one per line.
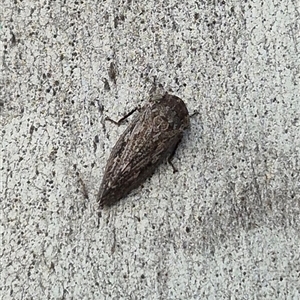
(226, 226)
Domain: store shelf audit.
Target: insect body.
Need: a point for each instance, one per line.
(152, 136)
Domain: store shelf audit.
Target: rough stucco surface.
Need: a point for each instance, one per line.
(226, 226)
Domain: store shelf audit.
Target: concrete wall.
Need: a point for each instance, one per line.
(226, 226)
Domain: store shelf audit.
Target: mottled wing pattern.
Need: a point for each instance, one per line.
(147, 148)
(143, 163)
(150, 137)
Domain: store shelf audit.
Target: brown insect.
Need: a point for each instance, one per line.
(152, 136)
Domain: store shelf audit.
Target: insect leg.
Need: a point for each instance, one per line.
(122, 119)
(172, 155)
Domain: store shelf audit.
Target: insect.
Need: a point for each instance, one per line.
(152, 136)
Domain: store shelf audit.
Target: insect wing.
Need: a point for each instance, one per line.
(148, 140)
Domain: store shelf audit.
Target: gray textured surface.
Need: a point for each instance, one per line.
(226, 226)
